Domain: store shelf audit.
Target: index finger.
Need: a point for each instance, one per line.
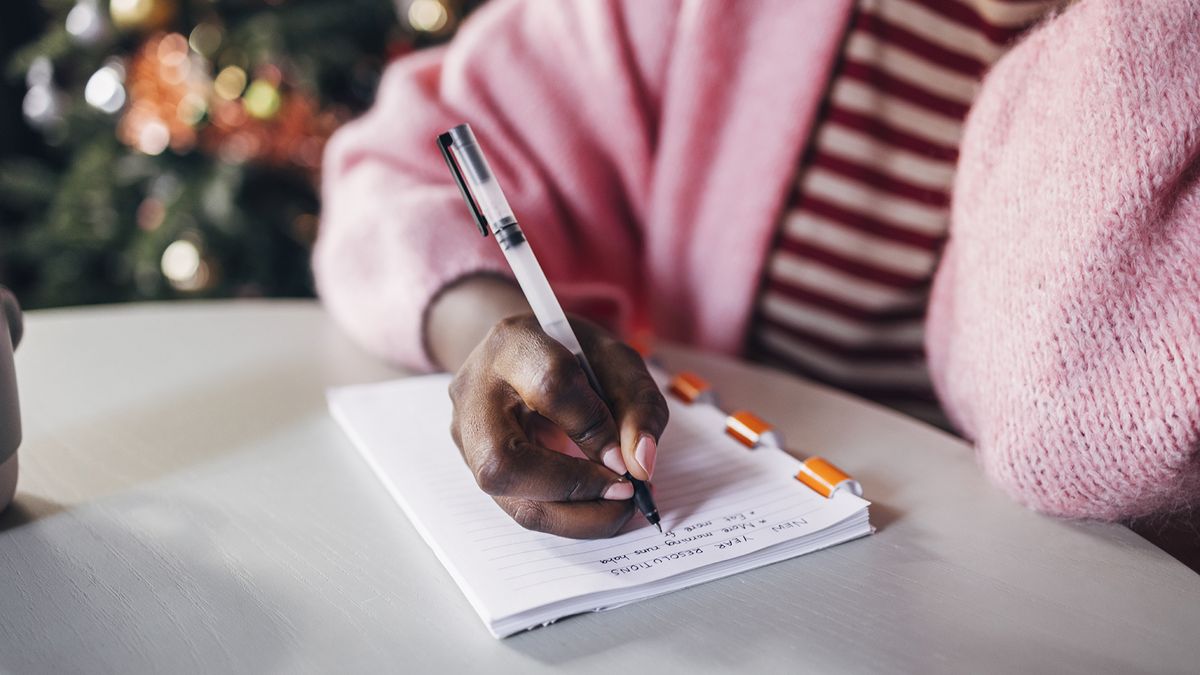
(507, 464)
(637, 403)
(550, 380)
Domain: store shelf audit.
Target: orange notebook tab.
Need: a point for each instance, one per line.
(826, 479)
(751, 430)
(691, 388)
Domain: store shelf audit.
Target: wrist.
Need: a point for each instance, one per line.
(463, 312)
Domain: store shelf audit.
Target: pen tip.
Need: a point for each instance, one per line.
(659, 526)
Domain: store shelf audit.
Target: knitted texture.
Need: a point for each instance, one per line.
(648, 148)
(1064, 331)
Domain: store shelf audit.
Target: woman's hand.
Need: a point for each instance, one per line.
(516, 384)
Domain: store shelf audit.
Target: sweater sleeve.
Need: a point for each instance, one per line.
(564, 97)
(1064, 329)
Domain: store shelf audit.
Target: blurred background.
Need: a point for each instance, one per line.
(158, 149)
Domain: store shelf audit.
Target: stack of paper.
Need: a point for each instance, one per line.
(725, 509)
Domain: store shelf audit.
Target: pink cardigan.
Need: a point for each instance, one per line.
(648, 148)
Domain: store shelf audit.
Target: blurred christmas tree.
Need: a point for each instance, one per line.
(181, 140)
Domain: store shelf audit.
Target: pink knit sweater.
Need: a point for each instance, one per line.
(648, 148)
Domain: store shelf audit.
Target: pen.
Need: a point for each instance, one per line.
(491, 211)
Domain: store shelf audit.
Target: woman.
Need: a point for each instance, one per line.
(773, 179)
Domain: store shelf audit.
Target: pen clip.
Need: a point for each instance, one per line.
(445, 141)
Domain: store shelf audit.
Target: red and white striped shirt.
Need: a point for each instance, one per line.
(845, 286)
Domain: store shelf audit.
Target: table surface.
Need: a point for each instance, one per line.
(186, 504)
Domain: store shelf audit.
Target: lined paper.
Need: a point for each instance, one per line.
(719, 502)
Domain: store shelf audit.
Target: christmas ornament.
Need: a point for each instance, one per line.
(430, 16)
(86, 24)
(141, 15)
(168, 87)
(185, 268)
(230, 83)
(105, 89)
(41, 72)
(292, 137)
(43, 107)
(205, 38)
(262, 99)
(270, 122)
(43, 103)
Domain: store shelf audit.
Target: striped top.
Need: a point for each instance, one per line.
(845, 286)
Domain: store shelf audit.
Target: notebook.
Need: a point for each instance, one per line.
(725, 509)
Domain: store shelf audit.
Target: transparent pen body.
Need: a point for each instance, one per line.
(493, 212)
(500, 219)
(541, 298)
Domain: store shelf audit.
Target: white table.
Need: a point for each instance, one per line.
(186, 505)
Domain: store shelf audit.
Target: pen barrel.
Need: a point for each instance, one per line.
(643, 500)
(541, 298)
(477, 174)
(491, 210)
(591, 375)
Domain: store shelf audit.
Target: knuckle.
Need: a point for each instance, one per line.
(595, 426)
(531, 515)
(511, 325)
(551, 380)
(618, 350)
(492, 474)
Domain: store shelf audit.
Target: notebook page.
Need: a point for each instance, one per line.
(718, 501)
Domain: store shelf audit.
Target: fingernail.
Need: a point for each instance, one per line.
(644, 453)
(622, 490)
(612, 459)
